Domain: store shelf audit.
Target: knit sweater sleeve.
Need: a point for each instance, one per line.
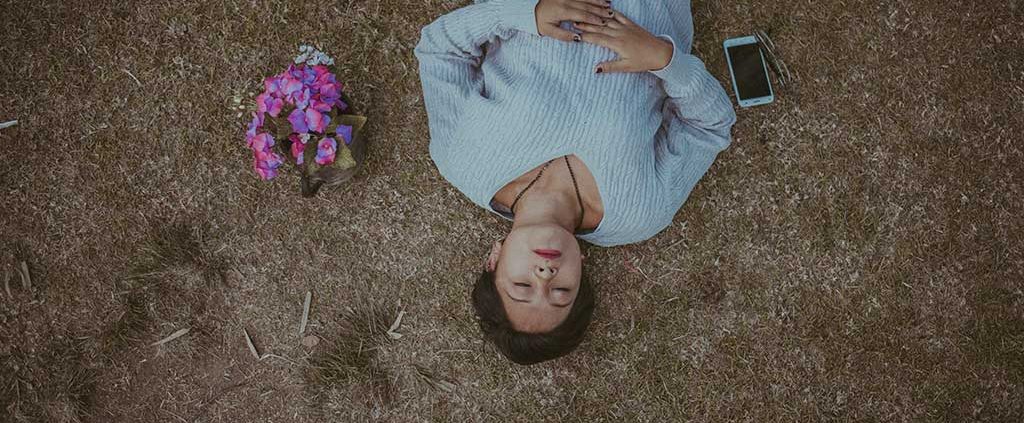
(450, 52)
(698, 117)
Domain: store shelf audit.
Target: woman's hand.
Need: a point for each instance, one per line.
(550, 13)
(638, 50)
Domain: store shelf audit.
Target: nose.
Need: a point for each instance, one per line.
(546, 272)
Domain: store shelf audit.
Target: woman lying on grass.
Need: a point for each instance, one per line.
(569, 119)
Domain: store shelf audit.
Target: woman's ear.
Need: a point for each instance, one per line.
(492, 259)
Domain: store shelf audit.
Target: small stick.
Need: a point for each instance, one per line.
(252, 347)
(8, 124)
(305, 312)
(170, 338)
(7, 283)
(26, 278)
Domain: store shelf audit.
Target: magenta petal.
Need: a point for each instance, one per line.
(261, 142)
(297, 149)
(317, 121)
(298, 120)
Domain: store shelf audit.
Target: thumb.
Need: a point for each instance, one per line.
(613, 66)
(554, 31)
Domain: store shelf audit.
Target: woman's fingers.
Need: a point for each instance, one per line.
(621, 19)
(598, 3)
(600, 29)
(601, 12)
(614, 66)
(558, 33)
(583, 15)
(603, 40)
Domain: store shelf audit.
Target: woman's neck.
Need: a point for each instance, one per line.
(545, 203)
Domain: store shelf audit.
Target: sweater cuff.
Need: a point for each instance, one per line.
(518, 14)
(681, 70)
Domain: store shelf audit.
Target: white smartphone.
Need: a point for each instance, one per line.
(749, 71)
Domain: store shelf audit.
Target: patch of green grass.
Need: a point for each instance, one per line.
(349, 364)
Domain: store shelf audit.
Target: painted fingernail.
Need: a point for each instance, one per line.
(599, 70)
(604, 21)
(577, 23)
(611, 14)
(576, 38)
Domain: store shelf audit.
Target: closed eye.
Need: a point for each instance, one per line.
(522, 284)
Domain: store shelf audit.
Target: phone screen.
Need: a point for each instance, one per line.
(748, 69)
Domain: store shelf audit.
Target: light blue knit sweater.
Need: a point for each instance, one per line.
(502, 100)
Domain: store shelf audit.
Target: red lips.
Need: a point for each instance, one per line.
(548, 254)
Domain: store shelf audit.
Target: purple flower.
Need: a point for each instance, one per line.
(325, 150)
(298, 146)
(274, 86)
(309, 120)
(300, 98)
(302, 73)
(257, 122)
(289, 87)
(265, 163)
(266, 103)
(345, 134)
(331, 94)
(261, 142)
(298, 120)
(317, 121)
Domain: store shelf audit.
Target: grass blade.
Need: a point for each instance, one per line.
(252, 347)
(305, 312)
(170, 338)
(26, 278)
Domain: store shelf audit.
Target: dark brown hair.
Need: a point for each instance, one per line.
(530, 348)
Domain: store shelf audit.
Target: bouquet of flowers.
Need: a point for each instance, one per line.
(317, 135)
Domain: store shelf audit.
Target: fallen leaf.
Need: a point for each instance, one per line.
(394, 326)
(170, 338)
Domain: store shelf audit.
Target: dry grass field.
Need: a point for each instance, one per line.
(855, 255)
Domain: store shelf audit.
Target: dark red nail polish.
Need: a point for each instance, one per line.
(611, 14)
(599, 70)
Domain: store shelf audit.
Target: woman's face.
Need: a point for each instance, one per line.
(537, 274)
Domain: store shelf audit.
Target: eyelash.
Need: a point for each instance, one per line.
(527, 285)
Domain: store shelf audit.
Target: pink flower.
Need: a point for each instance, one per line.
(319, 105)
(266, 103)
(288, 89)
(300, 98)
(325, 151)
(257, 122)
(266, 164)
(310, 120)
(261, 142)
(302, 73)
(298, 146)
(322, 75)
(274, 86)
(345, 134)
(298, 120)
